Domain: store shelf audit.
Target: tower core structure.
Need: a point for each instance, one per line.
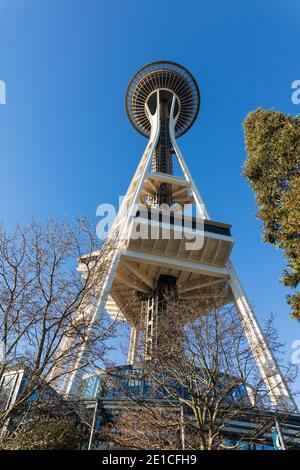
(172, 91)
(162, 103)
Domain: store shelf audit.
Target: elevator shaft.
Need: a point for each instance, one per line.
(162, 161)
(155, 308)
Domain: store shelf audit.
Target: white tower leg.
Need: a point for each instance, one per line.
(119, 232)
(278, 391)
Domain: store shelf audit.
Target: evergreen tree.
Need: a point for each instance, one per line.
(272, 168)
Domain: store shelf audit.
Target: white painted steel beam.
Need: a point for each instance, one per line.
(148, 280)
(180, 264)
(201, 284)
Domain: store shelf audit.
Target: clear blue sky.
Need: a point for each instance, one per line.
(66, 144)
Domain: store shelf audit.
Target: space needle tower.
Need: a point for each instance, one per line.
(162, 96)
(162, 104)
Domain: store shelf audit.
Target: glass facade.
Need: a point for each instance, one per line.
(117, 384)
(113, 387)
(124, 381)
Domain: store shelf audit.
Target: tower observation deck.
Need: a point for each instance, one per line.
(171, 79)
(167, 93)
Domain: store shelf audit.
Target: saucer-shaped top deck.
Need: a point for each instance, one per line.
(168, 76)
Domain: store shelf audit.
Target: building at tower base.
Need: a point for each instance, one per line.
(125, 389)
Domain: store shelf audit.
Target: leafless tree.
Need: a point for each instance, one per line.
(45, 302)
(203, 376)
